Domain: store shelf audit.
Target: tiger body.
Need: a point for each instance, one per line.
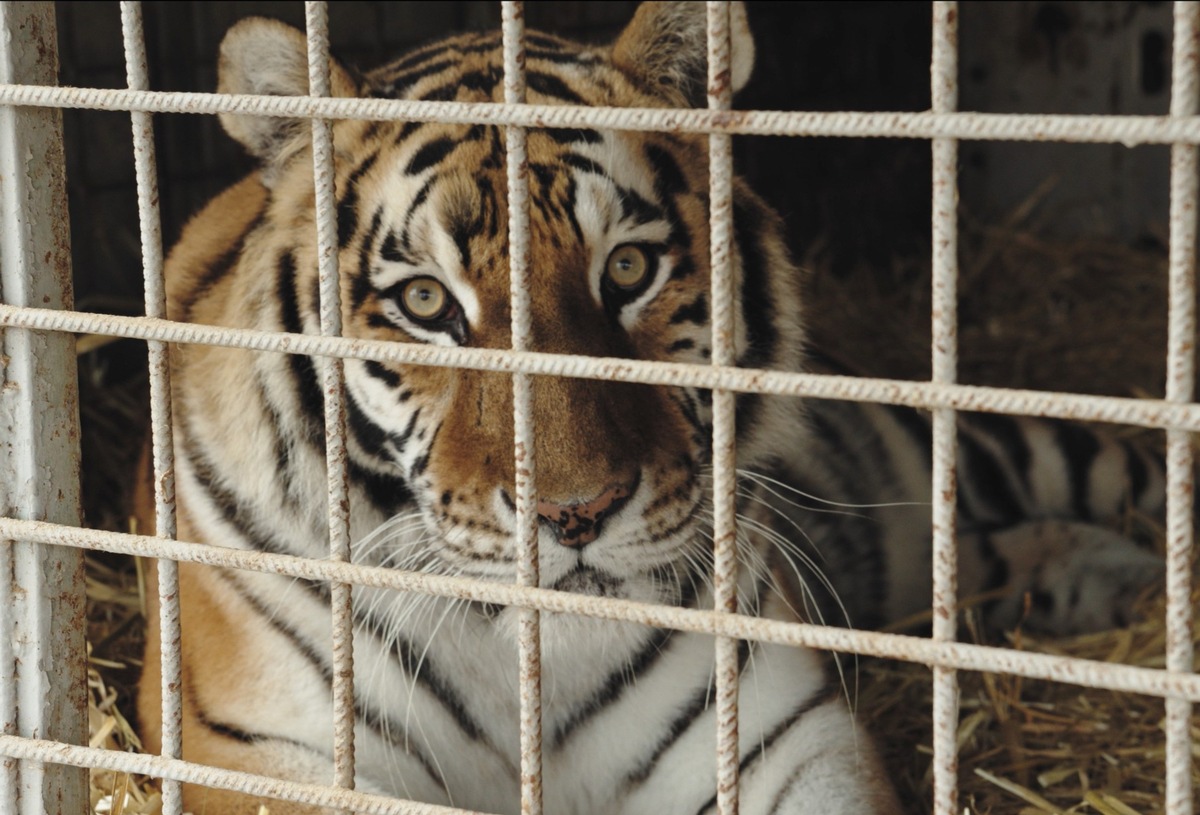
(621, 469)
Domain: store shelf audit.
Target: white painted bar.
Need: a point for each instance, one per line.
(41, 605)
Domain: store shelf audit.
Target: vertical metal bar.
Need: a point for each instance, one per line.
(137, 76)
(944, 91)
(530, 641)
(1181, 384)
(42, 620)
(725, 560)
(332, 369)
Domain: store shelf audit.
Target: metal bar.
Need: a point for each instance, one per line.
(930, 395)
(1181, 386)
(42, 750)
(967, 657)
(944, 91)
(1125, 129)
(530, 637)
(724, 444)
(162, 450)
(42, 619)
(333, 379)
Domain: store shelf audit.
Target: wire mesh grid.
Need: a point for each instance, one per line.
(942, 125)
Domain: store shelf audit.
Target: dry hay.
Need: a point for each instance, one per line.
(1083, 316)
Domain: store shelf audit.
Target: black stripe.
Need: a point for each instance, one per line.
(387, 493)
(221, 267)
(1079, 447)
(226, 730)
(544, 174)
(747, 408)
(282, 448)
(418, 199)
(573, 135)
(369, 436)
(1136, 468)
(389, 250)
(559, 57)
(420, 668)
(236, 733)
(550, 85)
(694, 312)
(231, 507)
(583, 163)
(360, 283)
(383, 374)
(988, 484)
(416, 57)
(758, 306)
(308, 389)
(347, 208)
(483, 82)
(613, 686)
(636, 208)
(406, 131)
(400, 82)
(430, 154)
(829, 692)
(401, 439)
(684, 268)
(549, 41)
(681, 723)
(1008, 432)
(916, 425)
(384, 726)
(669, 180)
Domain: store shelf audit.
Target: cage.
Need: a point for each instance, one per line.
(1063, 167)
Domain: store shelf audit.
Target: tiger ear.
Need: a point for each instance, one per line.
(269, 58)
(665, 50)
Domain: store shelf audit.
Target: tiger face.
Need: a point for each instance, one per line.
(619, 268)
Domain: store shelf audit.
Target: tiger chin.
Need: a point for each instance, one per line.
(619, 268)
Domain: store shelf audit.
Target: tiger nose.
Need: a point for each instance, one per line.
(578, 524)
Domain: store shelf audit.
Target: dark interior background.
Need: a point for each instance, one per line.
(847, 201)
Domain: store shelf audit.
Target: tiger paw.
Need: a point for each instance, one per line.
(1069, 578)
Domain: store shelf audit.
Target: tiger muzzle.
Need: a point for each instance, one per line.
(578, 524)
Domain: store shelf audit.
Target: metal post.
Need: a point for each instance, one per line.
(42, 621)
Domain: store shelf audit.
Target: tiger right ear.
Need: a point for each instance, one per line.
(665, 50)
(269, 58)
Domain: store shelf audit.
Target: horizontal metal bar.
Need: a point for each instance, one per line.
(217, 777)
(1127, 130)
(1088, 673)
(1156, 413)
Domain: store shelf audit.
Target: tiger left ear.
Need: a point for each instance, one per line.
(665, 50)
(270, 58)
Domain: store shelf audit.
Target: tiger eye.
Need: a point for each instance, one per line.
(424, 298)
(628, 266)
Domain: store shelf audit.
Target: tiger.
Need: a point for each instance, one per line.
(834, 520)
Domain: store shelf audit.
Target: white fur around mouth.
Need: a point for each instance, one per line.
(586, 580)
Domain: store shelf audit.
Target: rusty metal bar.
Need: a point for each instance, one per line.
(333, 384)
(1181, 387)
(724, 443)
(944, 89)
(530, 637)
(1128, 130)
(930, 395)
(42, 620)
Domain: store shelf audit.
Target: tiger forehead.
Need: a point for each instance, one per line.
(469, 68)
(456, 175)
